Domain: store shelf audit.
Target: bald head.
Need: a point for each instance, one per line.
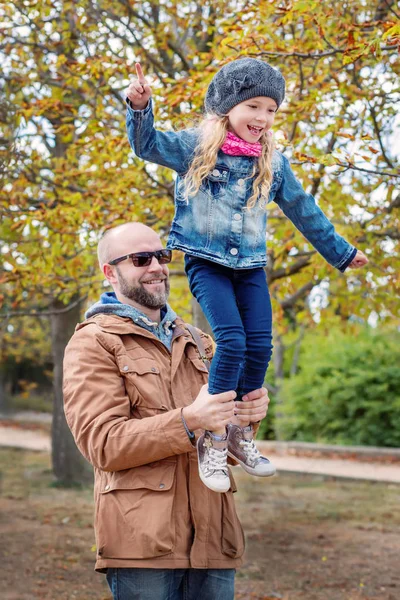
(124, 239)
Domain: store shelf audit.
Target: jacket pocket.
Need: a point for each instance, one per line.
(135, 517)
(216, 182)
(143, 382)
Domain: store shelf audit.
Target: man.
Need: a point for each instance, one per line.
(136, 400)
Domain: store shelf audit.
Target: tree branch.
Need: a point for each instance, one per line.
(378, 135)
(290, 301)
(292, 269)
(45, 313)
(351, 167)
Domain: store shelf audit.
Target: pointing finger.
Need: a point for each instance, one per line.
(139, 74)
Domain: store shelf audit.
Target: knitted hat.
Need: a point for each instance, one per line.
(241, 80)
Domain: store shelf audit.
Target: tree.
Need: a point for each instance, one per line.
(24, 346)
(65, 69)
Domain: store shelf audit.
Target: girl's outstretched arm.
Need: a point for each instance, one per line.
(309, 219)
(173, 149)
(139, 90)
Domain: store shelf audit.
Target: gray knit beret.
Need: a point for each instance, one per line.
(241, 80)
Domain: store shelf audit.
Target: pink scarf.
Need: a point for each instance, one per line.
(235, 146)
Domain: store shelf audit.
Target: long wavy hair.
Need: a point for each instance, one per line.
(213, 130)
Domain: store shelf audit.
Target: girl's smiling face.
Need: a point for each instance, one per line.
(251, 118)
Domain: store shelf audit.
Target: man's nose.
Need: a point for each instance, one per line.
(155, 265)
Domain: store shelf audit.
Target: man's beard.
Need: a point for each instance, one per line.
(141, 296)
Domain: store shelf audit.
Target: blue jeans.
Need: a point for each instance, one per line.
(171, 584)
(237, 305)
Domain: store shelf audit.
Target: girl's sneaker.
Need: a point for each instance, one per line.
(212, 457)
(242, 448)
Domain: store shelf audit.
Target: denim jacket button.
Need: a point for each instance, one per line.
(216, 172)
(233, 251)
(237, 216)
(241, 181)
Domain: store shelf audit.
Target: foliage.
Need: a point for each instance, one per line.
(25, 358)
(71, 174)
(347, 390)
(65, 69)
(8, 132)
(26, 339)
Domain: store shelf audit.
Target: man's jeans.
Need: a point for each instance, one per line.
(171, 584)
(237, 305)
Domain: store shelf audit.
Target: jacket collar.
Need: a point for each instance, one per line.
(110, 323)
(110, 305)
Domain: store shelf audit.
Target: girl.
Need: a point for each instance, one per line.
(227, 170)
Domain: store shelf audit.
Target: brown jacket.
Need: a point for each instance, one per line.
(123, 394)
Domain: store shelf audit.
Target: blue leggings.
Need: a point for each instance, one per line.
(237, 305)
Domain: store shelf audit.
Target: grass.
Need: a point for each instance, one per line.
(32, 402)
(308, 538)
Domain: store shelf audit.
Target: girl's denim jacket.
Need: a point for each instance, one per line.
(215, 224)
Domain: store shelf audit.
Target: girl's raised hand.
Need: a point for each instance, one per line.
(139, 91)
(359, 260)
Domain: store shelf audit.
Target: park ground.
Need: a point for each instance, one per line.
(308, 538)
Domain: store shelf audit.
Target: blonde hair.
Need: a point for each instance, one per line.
(213, 130)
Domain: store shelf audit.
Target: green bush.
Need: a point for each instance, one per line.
(266, 430)
(32, 402)
(347, 391)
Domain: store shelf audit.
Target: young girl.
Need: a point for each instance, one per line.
(227, 170)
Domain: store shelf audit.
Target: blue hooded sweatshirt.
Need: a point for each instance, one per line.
(110, 305)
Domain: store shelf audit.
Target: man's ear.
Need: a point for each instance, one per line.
(109, 273)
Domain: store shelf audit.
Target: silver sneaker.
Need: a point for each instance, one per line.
(212, 457)
(242, 448)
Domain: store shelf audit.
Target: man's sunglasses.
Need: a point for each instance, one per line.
(143, 259)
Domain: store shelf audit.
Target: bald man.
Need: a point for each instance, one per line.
(136, 399)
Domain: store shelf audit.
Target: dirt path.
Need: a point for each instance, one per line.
(307, 538)
(12, 436)
(36, 436)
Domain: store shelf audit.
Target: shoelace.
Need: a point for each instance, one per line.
(251, 450)
(217, 460)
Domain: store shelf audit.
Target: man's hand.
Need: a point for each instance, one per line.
(253, 408)
(139, 91)
(211, 412)
(359, 260)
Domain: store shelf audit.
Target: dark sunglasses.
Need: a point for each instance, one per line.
(143, 259)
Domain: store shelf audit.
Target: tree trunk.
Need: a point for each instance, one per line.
(3, 368)
(69, 466)
(3, 389)
(199, 319)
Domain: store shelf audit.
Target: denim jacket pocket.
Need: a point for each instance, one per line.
(213, 185)
(216, 182)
